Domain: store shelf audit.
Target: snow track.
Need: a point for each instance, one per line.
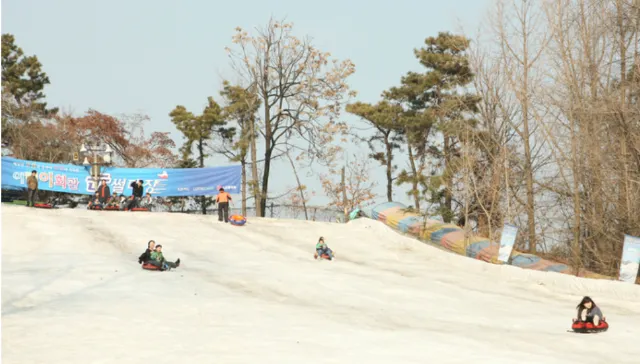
(73, 292)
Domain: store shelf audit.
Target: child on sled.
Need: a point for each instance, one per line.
(158, 259)
(322, 250)
(589, 312)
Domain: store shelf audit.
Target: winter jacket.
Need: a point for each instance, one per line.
(223, 197)
(104, 193)
(32, 182)
(322, 248)
(137, 190)
(157, 256)
(144, 257)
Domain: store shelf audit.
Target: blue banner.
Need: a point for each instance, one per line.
(163, 182)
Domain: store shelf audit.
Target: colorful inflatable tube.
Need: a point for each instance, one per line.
(148, 266)
(452, 238)
(237, 220)
(43, 205)
(137, 209)
(588, 327)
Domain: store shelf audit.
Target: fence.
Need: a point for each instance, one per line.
(279, 211)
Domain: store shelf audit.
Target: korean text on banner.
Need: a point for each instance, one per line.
(157, 181)
(630, 259)
(508, 239)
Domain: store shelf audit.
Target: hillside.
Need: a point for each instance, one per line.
(73, 292)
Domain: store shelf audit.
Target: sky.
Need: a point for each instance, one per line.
(147, 56)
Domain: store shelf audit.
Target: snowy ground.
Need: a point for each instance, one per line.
(73, 292)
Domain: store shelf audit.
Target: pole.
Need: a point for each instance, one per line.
(95, 169)
(344, 196)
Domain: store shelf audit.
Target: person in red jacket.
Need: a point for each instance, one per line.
(104, 192)
(223, 199)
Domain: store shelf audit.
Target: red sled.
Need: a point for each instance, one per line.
(137, 209)
(589, 328)
(43, 205)
(323, 256)
(148, 266)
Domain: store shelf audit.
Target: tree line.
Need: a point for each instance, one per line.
(535, 122)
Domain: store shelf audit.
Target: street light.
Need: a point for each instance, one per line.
(91, 149)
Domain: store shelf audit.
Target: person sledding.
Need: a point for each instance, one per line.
(589, 318)
(157, 256)
(146, 256)
(157, 259)
(323, 251)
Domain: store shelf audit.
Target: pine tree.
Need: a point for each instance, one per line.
(22, 84)
(448, 72)
(198, 130)
(385, 118)
(240, 139)
(417, 123)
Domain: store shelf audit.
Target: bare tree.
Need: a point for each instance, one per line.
(354, 187)
(523, 41)
(594, 125)
(493, 141)
(301, 89)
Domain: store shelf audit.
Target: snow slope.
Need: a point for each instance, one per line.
(73, 292)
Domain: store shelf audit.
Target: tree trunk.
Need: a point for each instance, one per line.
(203, 199)
(255, 184)
(265, 182)
(268, 150)
(414, 179)
(577, 213)
(243, 162)
(448, 196)
(528, 162)
(623, 199)
(302, 197)
(389, 157)
(344, 195)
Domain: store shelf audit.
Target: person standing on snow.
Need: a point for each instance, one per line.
(32, 188)
(223, 199)
(136, 195)
(104, 192)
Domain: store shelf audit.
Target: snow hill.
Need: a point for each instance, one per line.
(73, 292)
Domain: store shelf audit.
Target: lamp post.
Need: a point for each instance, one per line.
(91, 149)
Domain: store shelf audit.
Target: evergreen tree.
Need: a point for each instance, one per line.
(198, 131)
(448, 106)
(240, 139)
(417, 123)
(23, 82)
(386, 119)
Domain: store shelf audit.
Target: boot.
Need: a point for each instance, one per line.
(178, 263)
